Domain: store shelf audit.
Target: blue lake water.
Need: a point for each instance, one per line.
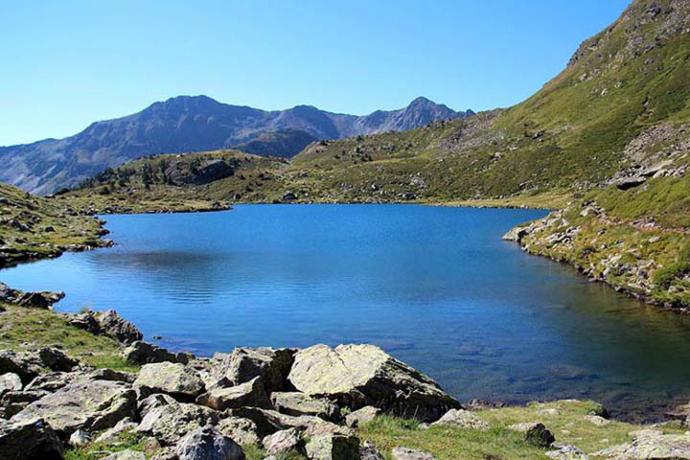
(436, 287)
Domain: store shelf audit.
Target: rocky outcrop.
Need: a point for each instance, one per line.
(29, 364)
(44, 299)
(244, 364)
(140, 352)
(169, 421)
(359, 375)
(650, 444)
(107, 323)
(332, 446)
(31, 440)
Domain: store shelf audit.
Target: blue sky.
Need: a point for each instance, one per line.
(68, 63)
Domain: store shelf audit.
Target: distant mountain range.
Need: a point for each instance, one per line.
(191, 124)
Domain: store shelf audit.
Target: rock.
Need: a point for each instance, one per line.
(284, 441)
(403, 453)
(140, 352)
(567, 452)
(207, 444)
(269, 421)
(359, 375)
(172, 378)
(295, 403)
(29, 299)
(89, 406)
(126, 455)
(111, 434)
(242, 430)
(652, 446)
(35, 440)
(27, 365)
(53, 381)
(368, 451)
(14, 402)
(535, 434)
(463, 419)
(362, 416)
(56, 360)
(250, 393)
(333, 447)
(79, 438)
(597, 420)
(9, 382)
(243, 364)
(107, 323)
(166, 453)
(170, 422)
(516, 234)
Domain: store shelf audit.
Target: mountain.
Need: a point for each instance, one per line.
(190, 124)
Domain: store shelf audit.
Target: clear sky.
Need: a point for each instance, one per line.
(67, 63)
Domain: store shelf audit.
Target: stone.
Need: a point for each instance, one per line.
(79, 438)
(567, 452)
(368, 451)
(207, 444)
(126, 454)
(244, 364)
(462, 418)
(242, 430)
(284, 441)
(108, 323)
(29, 364)
(9, 382)
(174, 379)
(650, 446)
(140, 352)
(53, 381)
(29, 299)
(13, 402)
(170, 422)
(35, 440)
(403, 453)
(333, 447)
(250, 393)
(597, 420)
(359, 375)
(361, 416)
(269, 421)
(295, 403)
(111, 434)
(535, 433)
(92, 406)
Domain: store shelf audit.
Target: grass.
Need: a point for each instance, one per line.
(28, 328)
(546, 200)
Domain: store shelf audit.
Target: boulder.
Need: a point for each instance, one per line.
(242, 430)
(170, 422)
(28, 364)
(33, 440)
(244, 364)
(207, 444)
(284, 441)
(79, 438)
(359, 375)
(403, 453)
(140, 352)
(112, 434)
(269, 421)
(53, 381)
(462, 418)
(89, 406)
(535, 433)
(362, 416)
(567, 452)
(13, 402)
(333, 447)
(295, 403)
(174, 379)
(250, 393)
(655, 446)
(107, 323)
(9, 382)
(368, 451)
(126, 454)
(44, 299)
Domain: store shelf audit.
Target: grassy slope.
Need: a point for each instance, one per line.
(33, 227)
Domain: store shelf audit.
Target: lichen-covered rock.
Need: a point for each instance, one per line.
(29, 440)
(29, 364)
(126, 454)
(79, 438)
(361, 416)
(648, 446)
(108, 323)
(89, 406)
(403, 453)
(462, 418)
(359, 375)
(13, 402)
(284, 441)
(244, 364)
(53, 381)
(269, 421)
(250, 393)
(172, 378)
(242, 430)
(535, 433)
(169, 422)
(111, 434)
(140, 352)
(9, 382)
(207, 444)
(333, 447)
(567, 452)
(296, 403)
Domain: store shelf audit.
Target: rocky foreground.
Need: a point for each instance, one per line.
(317, 403)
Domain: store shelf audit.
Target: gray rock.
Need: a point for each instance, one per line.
(207, 444)
(107, 323)
(242, 430)
(462, 418)
(333, 447)
(89, 406)
(29, 299)
(140, 352)
(13, 402)
(29, 440)
(284, 441)
(79, 438)
(654, 446)
(111, 434)
(295, 403)
(362, 416)
(535, 433)
(170, 422)
(250, 393)
(567, 452)
(171, 378)
(9, 382)
(53, 381)
(27, 365)
(126, 455)
(269, 421)
(359, 375)
(244, 364)
(403, 453)
(368, 451)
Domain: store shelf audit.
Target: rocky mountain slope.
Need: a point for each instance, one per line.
(189, 124)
